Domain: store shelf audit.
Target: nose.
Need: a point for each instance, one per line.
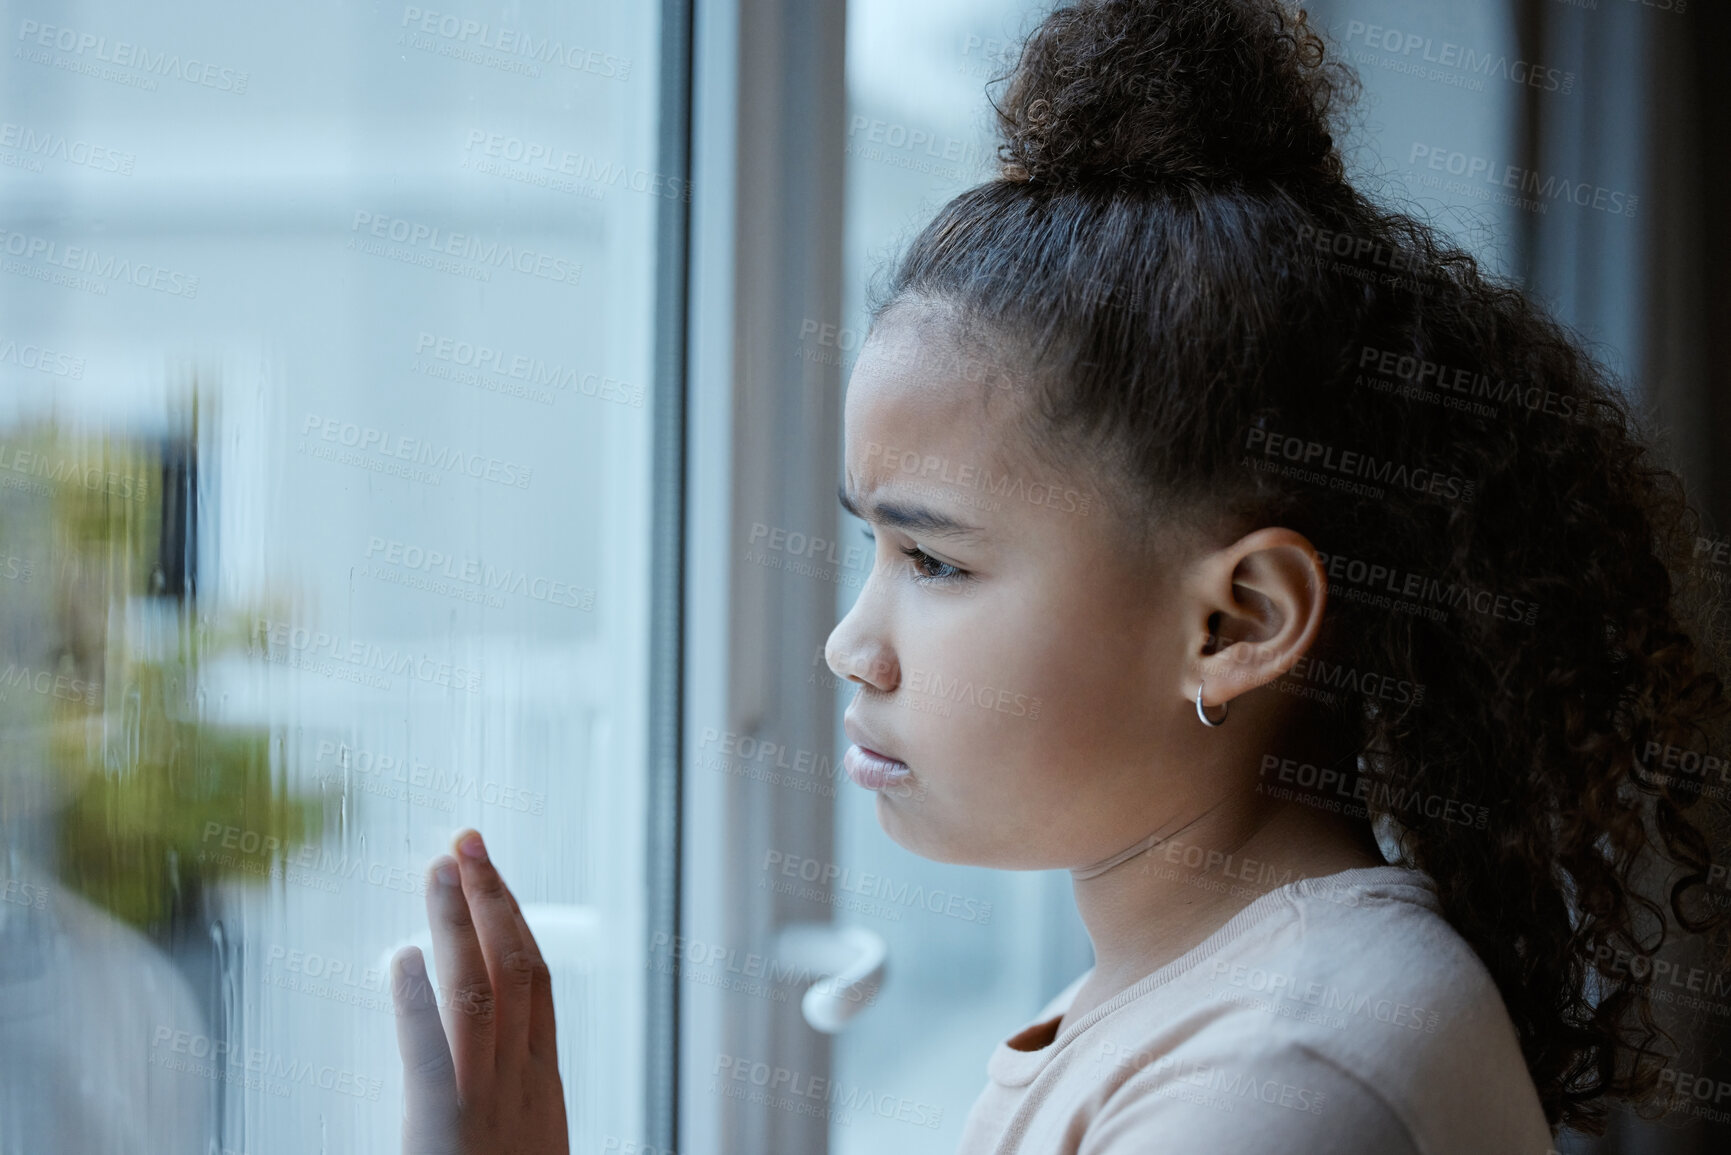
(859, 653)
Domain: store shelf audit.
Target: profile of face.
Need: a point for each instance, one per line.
(1030, 673)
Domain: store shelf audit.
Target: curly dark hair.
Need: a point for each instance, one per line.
(1174, 256)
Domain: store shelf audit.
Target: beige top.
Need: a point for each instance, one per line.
(1339, 1014)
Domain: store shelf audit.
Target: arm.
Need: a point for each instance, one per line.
(486, 1079)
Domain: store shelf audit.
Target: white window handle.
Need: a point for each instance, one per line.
(851, 960)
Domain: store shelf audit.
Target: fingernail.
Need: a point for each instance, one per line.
(447, 872)
(412, 965)
(471, 847)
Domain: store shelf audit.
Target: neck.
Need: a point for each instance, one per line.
(1158, 903)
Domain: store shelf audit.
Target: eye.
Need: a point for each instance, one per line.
(938, 573)
(921, 559)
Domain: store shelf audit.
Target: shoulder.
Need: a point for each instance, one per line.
(1373, 948)
(1368, 988)
(1282, 1098)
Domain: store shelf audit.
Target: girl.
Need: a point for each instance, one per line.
(1364, 629)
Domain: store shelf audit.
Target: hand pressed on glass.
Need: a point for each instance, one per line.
(494, 1086)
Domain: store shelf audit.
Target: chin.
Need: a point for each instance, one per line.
(900, 819)
(893, 818)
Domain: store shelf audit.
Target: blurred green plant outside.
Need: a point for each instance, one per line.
(142, 772)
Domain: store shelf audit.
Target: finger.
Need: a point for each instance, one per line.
(469, 1002)
(514, 960)
(543, 1036)
(429, 1080)
(543, 1032)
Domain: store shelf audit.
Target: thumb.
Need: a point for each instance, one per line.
(430, 1106)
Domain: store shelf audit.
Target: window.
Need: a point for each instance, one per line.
(329, 350)
(417, 416)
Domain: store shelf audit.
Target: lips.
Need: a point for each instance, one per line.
(871, 769)
(867, 764)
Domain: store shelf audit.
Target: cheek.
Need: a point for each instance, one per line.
(1022, 672)
(1054, 648)
(1083, 675)
(1023, 704)
(970, 705)
(1006, 773)
(977, 656)
(980, 686)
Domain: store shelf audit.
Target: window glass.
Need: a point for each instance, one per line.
(325, 488)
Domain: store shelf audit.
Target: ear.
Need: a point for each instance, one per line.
(1255, 608)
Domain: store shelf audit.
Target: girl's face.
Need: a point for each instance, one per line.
(1029, 675)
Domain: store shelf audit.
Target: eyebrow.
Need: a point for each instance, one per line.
(907, 516)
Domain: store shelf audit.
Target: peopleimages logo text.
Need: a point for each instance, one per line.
(124, 54)
(517, 42)
(443, 458)
(1529, 182)
(1356, 464)
(467, 247)
(105, 266)
(71, 150)
(1462, 58)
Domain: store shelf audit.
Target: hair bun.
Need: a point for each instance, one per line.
(1155, 90)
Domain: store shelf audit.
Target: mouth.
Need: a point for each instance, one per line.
(873, 770)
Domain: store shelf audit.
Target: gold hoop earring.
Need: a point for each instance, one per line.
(1206, 720)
